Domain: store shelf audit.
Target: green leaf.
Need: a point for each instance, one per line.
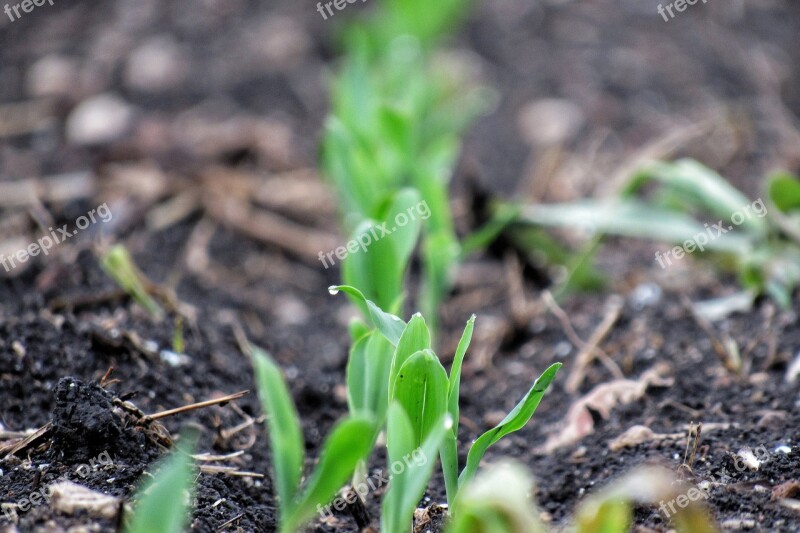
(162, 501)
(784, 191)
(383, 248)
(698, 185)
(391, 326)
(415, 338)
(118, 264)
(632, 218)
(368, 371)
(514, 421)
(454, 382)
(348, 443)
(450, 444)
(498, 500)
(421, 388)
(408, 485)
(286, 438)
(374, 268)
(611, 509)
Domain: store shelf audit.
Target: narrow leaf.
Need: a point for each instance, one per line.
(408, 483)
(286, 438)
(455, 372)
(514, 421)
(162, 502)
(391, 326)
(349, 443)
(368, 375)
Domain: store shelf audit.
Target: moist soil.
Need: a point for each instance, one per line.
(245, 119)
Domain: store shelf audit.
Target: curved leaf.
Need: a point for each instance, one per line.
(348, 443)
(162, 503)
(514, 421)
(286, 438)
(421, 388)
(391, 326)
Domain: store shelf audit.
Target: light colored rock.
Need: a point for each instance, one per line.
(156, 65)
(70, 498)
(98, 120)
(550, 121)
(52, 76)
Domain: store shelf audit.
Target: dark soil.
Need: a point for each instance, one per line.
(245, 118)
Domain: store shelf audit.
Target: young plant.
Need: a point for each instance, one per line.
(163, 502)
(408, 486)
(118, 264)
(498, 500)
(346, 445)
(761, 241)
(395, 125)
(421, 386)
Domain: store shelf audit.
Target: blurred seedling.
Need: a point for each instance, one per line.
(685, 201)
(118, 264)
(164, 501)
(347, 444)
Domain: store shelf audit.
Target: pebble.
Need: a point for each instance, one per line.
(98, 120)
(550, 121)
(52, 75)
(158, 64)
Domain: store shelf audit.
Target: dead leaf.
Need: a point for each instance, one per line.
(602, 399)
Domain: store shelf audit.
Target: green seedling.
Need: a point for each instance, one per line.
(408, 485)
(395, 124)
(163, 502)
(118, 264)
(345, 447)
(611, 510)
(421, 386)
(498, 500)
(696, 209)
(379, 265)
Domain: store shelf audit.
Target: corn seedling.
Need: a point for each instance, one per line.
(346, 446)
(393, 135)
(760, 241)
(408, 486)
(118, 264)
(163, 502)
(421, 386)
(498, 500)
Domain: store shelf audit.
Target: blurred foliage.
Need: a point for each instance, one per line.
(693, 207)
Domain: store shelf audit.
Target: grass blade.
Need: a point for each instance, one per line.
(161, 506)
(408, 486)
(286, 438)
(391, 326)
(349, 443)
(514, 421)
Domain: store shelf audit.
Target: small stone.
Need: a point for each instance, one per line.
(99, 120)
(788, 489)
(160, 63)
(550, 121)
(52, 76)
(71, 499)
(493, 418)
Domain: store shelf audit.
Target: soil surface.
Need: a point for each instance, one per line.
(196, 125)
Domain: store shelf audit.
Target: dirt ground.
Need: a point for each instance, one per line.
(196, 124)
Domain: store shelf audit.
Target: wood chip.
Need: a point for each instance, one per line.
(70, 498)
